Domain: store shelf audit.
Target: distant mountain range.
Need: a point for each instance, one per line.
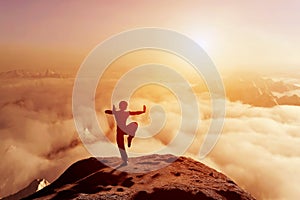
(261, 91)
(253, 89)
(20, 73)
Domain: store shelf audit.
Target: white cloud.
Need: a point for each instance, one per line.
(259, 147)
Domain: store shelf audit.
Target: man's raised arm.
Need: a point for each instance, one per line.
(108, 112)
(138, 112)
(111, 111)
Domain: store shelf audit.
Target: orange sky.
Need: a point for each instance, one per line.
(59, 34)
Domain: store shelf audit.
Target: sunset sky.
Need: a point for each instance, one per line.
(60, 34)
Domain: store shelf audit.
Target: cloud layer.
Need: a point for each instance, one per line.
(37, 134)
(258, 148)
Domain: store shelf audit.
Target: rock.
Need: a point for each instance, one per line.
(180, 178)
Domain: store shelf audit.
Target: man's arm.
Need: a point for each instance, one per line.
(108, 112)
(111, 111)
(138, 112)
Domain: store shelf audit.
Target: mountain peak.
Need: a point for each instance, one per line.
(180, 178)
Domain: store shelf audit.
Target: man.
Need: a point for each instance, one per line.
(123, 128)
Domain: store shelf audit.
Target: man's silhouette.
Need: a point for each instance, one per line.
(121, 117)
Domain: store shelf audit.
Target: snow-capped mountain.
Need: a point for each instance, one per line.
(263, 91)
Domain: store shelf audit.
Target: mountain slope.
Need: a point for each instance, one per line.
(181, 178)
(34, 186)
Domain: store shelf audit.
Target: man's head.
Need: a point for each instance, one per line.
(123, 105)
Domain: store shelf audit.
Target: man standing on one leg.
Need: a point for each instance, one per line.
(121, 117)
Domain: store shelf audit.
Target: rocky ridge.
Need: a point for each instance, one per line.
(172, 178)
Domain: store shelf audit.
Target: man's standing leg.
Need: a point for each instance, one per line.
(121, 146)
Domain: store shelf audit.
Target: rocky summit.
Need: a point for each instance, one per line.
(146, 177)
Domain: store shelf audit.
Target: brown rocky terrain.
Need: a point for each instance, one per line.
(34, 186)
(180, 178)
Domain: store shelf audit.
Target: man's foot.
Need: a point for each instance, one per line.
(125, 163)
(129, 139)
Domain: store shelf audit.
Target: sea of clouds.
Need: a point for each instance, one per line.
(258, 147)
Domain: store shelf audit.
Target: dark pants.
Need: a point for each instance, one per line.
(120, 142)
(132, 127)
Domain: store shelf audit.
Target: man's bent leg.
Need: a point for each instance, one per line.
(131, 130)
